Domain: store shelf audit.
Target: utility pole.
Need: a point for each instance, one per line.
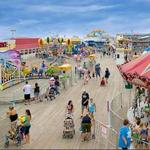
(13, 31)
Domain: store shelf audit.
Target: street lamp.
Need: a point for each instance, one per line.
(13, 32)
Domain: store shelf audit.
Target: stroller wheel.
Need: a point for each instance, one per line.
(6, 144)
(18, 142)
(71, 136)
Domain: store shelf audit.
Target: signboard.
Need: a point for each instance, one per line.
(104, 131)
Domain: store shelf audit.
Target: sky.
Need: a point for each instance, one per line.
(42, 18)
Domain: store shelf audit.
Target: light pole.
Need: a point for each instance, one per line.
(13, 31)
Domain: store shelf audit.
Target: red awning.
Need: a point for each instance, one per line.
(26, 43)
(137, 69)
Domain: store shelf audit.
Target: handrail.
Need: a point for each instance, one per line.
(112, 109)
(118, 116)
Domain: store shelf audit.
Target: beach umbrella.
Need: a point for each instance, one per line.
(137, 71)
(65, 67)
(92, 56)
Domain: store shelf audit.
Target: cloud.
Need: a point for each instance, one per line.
(68, 9)
(27, 22)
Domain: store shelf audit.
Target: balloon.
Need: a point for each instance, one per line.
(41, 42)
(48, 40)
(68, 42)
(22, 119)
(60, 40)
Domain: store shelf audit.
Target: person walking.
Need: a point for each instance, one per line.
(85, 101)
(107, 74)
(57, 85)
(37, 92)
(27, 126)
(86, 127)
(144, 135)
(124, 140)
(13, 116)
(27, 92)
(69, 108)
(92, 108)
(97, 70)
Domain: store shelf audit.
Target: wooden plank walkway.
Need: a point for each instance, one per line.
(48, 116)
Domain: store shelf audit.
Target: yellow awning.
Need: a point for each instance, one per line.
(65, 67)
(92, 56)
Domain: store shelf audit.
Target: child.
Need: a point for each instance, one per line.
(86, 79)
(92, 108)
(102, 83)
(37, 92)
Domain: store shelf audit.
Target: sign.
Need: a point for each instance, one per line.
(104, 131)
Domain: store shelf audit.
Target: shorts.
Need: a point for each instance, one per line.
(26, 129)
(84, 107)
(98, 74)
(85, 127)
(27, 96)
(36, 94)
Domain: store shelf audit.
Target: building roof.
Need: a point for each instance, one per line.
(26, 46)
(26, 43)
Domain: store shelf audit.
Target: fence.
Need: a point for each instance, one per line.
(115, 118)
(103, 135)
(117, 113)
(17, 96)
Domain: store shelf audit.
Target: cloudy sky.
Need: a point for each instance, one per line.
(73, 17)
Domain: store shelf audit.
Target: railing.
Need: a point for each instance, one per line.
(103, 136)
(118, 112)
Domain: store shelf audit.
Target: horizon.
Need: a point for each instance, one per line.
(73, 18)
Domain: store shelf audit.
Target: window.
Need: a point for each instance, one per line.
(30, 51)
(26, 51)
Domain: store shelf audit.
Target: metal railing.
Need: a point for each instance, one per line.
(118, 112)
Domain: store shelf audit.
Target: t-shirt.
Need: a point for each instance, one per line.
(86, 119)
(27, 89)
(37, 89)
(126, 133)
(91, 107)
(85, 96)
(43, 66)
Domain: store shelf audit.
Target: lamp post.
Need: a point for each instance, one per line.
(13, 31)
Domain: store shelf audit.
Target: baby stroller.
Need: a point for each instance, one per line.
(15, 135)
(69, 130)
(51, 93)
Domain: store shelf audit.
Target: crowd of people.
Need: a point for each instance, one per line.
(94, 70)
(88, 108)
(52, 90)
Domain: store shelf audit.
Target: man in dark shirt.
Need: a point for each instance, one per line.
(85, 100)
(97, 70)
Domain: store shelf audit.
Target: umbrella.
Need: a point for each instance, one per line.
(137, 69)
(92, 56)
(65, 67)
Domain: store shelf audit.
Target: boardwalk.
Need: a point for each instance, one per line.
(48, 117)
